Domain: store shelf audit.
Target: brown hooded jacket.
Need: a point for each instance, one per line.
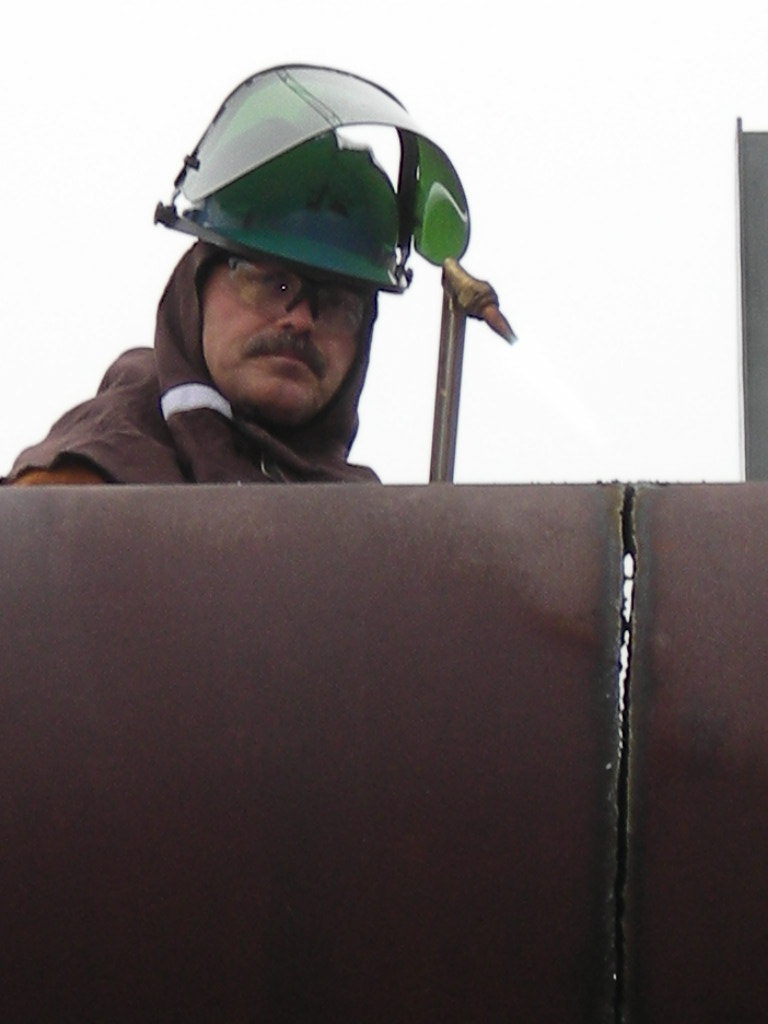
(158, 418)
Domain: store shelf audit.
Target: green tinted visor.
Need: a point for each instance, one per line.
(282, 108)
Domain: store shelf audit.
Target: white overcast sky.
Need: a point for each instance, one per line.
(596, 144)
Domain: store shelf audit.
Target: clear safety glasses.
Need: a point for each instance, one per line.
(273, 289)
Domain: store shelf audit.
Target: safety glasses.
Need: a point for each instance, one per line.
(274, 289)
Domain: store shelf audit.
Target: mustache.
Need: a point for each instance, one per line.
(287, 343)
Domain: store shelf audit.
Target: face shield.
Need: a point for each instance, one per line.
(271, 176)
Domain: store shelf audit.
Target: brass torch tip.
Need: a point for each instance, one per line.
(476, 298)
(499, 323)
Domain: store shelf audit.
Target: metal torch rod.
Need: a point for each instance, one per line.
(448, 394)
(463, 296)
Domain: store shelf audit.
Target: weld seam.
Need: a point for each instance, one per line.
(629, 574)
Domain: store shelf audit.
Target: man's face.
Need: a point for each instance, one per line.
(274, 344)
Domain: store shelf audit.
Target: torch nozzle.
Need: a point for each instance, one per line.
(476, 298)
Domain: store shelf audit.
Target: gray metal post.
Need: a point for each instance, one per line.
(753, 215)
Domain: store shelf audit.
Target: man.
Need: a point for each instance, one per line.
(264, 330)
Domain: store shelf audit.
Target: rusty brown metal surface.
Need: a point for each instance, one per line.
(697, 897)
(312, 753)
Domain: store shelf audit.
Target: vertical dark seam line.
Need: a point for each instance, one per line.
(629, 576)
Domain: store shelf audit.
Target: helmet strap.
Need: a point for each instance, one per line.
(406, 198)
